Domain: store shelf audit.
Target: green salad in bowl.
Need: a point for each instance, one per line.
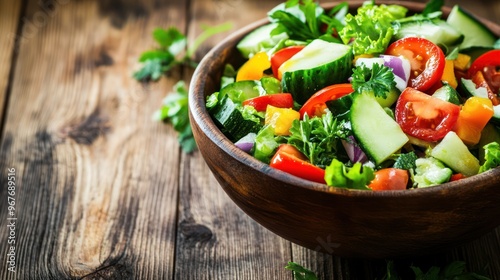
(361, 130)
(379, 99)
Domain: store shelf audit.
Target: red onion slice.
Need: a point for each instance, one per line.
(246, 142)
(354, 152)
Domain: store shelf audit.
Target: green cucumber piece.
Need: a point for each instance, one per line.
(455, 154)
(242, 90)
(340, 107)
(259, 39)
(318, 65)
(231, 120)
(430, 172)
(436, 30)
(475, 32)
(378, 134)
(447, 93)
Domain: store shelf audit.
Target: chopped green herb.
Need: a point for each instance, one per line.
(175, 111)
(378, 80)
(300, 273)
(317, 138)
(171, 43)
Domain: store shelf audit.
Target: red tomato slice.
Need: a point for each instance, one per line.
(389, 179)
(426, 58)
(292, 161)
(316, 104)
(281, 56)
(425, 117)
(489, 64)
(280, 100)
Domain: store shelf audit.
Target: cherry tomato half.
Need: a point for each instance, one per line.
(281, 56)
(280, 100)
(427, 61)
(292, 161)
(425, 117)
(316, 104)
(489, 65)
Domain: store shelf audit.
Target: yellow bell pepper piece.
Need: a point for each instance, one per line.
(473, 117)
(462, 62)
(254, 68)
(280, 119)
(449, 74)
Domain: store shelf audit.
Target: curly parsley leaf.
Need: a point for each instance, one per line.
(175, 111)
(301, 273)
(317, 138)
(355, 177)
(378, 80)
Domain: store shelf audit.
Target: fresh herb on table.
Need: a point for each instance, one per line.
(454, 270)
(175, 111)
(164, 58)
(300, 273)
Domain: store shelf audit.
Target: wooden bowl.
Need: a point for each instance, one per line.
(348, 223)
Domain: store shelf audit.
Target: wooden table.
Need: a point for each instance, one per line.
(104, 192)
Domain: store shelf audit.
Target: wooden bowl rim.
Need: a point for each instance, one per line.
(200, 116)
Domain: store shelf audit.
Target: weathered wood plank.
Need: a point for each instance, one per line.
(97, 178)
(215, 239)
(10, 12)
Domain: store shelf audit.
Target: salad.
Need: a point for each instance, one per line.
(376, 100)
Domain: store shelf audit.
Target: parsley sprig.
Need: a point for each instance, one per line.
(173, 50)
(378, 80)
(318, 137)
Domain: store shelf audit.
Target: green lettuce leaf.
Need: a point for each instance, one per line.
(491, 157)
(371, 27)
(355, 177)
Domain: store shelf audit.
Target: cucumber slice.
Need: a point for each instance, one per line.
(437, 31)
(455, 154)
(259, 40)
(242, 90)
(430, 172)
(318, 65)
(475, 32)
(230, 119)
(447, 93)
(378, 134)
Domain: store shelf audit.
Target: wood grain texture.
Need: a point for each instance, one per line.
(215, 239)
(10, 13)
(97, 178)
